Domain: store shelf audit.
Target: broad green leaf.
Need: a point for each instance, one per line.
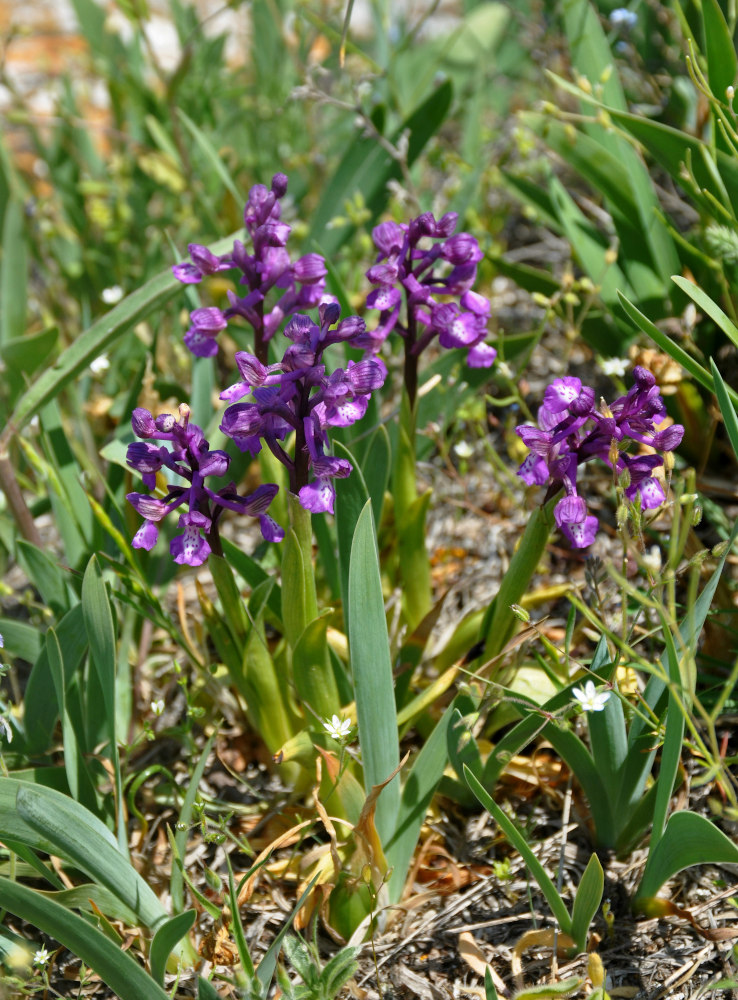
(40, 710)
(587, 901)
(20, 639)
(299, 601)
(709, 306)
(671, 751)
(516, 838)
(117, 968)
(95, 341)
(206, 990)
(75, 833)
(351, 496)
(688, 839)
(88, 896)
(45, 573)
(100, 629)
(13, 274)
(371, 667)
(315, 683)
(167, 937)
(607, 735)
(420, 784)
(376, 469)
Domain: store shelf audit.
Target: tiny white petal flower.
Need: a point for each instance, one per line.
(463, 449)
(337, 727)
(589, 698)
(42, 956)
(614, 366)
(157, 707)
(100, 365)
(111, 295)
(504, 369)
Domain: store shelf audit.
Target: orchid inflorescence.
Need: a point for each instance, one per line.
(572, 429)
(423, 260)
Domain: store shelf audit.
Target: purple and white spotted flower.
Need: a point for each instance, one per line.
(572, 429)
(187, 454)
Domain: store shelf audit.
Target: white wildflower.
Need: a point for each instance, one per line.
(111, 295)
(100, 365)
(337, 727)
(42, 956)
(590, 699)
(463, 449)
(614, 366)
(157, 707)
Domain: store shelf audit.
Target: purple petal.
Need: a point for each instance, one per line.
(143, 423)
(318, 496)
(652, 493)
(481, 356)
(534, 471)
(583, 533)
(570, 510)
(560, 393)
(201, 345)
(271, 531)
(146, 537)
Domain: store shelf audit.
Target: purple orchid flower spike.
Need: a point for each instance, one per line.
(296, 395)
(187, 454)
(572, 429)
(267, 269)
(433, 269)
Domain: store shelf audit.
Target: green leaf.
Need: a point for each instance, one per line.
(116, 968)
(351, 497)
(420, 784)
(299, 601)
(726, 407)
(95, 341)
(707, 305)
(211, 155)
(45, 573)
(47, 820)
(20, 639)
(688, 839)
(13, 274)
(371, 667)
(698, 373)
(167, 937)
(490, 993)
(516, 838)
(206, 990)
(587, 901)
(376, 469)
(315, 682)
(719, 49)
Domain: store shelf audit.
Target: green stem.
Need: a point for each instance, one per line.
(410, 512)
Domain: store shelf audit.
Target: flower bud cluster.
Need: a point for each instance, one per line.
(434, 268)
(573, 429)
(188, 455)
(268, 266)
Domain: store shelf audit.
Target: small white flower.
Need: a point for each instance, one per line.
(504, 369)
(42, 956)
(614, 366)
(100, 365)
(590, 699)
(111, 295)
(337, 727)
(157, 707)
(463, 449)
